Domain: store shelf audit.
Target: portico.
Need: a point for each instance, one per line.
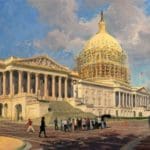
(25, 83)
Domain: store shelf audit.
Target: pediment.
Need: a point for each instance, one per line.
(143, 90)
(43, 61)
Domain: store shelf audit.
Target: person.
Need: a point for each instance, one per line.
(56, 123)
(88, 123)
(99, 122)
(83, 123)
(73, 125)
(30, 127)
(69, 124)
(65, 125)
(42, 127)
(61, 125)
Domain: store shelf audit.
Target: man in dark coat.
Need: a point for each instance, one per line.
(42, 127)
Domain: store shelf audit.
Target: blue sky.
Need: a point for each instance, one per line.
(60, 29)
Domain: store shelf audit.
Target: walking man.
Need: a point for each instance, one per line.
(42, 127)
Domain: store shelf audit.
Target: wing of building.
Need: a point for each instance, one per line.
(25, 83)
(101, 85)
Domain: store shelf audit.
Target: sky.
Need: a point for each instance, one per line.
(60, 28)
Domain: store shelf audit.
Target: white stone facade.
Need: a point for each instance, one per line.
(26, 83)
(119, 101)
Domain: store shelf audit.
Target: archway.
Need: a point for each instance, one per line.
(6, 110)
(1, 110)
(18, 112)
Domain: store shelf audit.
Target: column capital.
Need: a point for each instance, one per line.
(4, 72)
(36, 74)
(20, 71)
(45, 75)
(53, 76)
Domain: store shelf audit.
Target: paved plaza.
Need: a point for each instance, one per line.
(121, 134)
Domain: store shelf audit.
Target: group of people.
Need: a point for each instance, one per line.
(73, 124)
(70, 124)
(42, 127)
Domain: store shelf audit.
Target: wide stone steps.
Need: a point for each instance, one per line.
(63, 110)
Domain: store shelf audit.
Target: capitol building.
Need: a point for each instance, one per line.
(100, 85)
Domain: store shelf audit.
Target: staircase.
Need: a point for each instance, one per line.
(63, 110)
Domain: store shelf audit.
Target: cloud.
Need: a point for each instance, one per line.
(67, 30)
(125, 20)
(57, 40)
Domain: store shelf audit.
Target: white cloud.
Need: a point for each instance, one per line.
(125, 20)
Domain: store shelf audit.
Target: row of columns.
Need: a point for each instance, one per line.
(130, 100)
(62, 81)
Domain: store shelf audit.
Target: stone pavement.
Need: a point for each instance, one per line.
(117, 136)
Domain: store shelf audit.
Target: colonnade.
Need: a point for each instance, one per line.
(14, 82)
(123, 99)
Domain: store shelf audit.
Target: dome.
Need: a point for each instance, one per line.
(102, 40)
(102, 58)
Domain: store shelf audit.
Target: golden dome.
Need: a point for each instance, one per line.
(102, 40)
(102, 58)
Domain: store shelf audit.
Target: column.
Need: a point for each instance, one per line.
(119, 104)
(129, 100)
(45, 86)
(4, 83)
(122, 99)
(126, 100)
(53, 86)
(11, 83)
(139, 97)
(28, 82)
(139, 100)
(66, 88)
(36, 83)
(20, 82)
(59, 87)
(135, 101)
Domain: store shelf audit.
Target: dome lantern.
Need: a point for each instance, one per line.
(102, 26)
